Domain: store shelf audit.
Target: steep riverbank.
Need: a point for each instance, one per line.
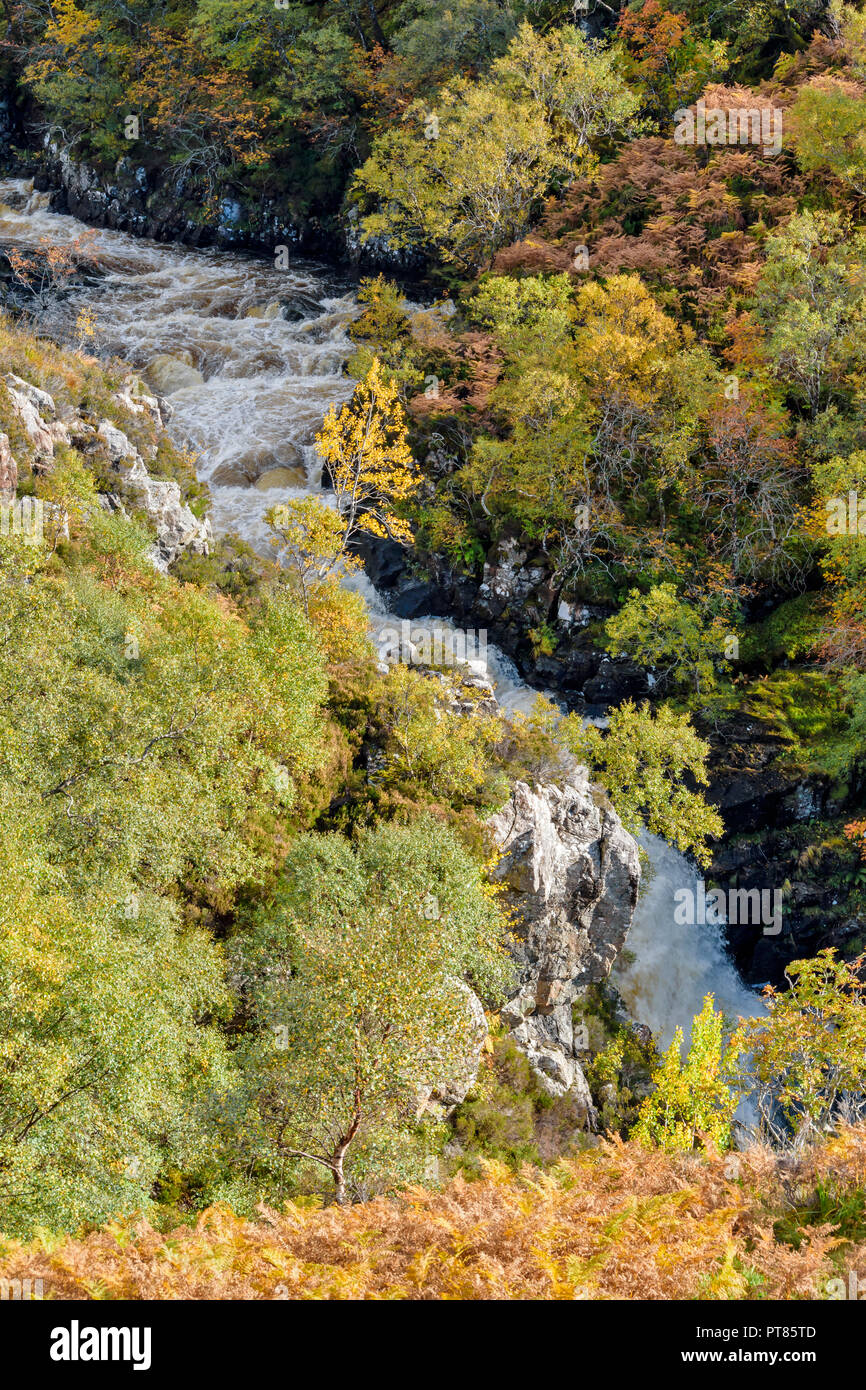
(783, 820)
(249, 358)
(155, 203)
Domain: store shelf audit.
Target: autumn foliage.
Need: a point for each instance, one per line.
(668, 212)
(617, 1222)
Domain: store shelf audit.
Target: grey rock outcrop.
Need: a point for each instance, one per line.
(571, 874)
(178, 529)
(34, 394)
(159, 203)
(36, 428)
(135, 398)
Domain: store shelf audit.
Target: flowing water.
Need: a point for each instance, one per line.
(249, 387)
(675, 964)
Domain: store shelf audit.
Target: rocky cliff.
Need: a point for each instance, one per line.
(42, 427)
(570, 872)
(156, 202)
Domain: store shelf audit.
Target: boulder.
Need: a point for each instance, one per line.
(170, 372)
(384, 560)
(418, 599)
(281, 478)
(272, 310)
(116, 442)
(298, 307)
(39, 399)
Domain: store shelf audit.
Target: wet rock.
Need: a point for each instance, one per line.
(170, 372)
(417, 600)
(272, 310)
(811, 878)
(158, 203)
(230, 475)
(384, 561)
(299, 307)
(805, 802)
(617, 679)
(578, 667)
(377, 252)
(257, 460)
(550, 670)
(276, 478)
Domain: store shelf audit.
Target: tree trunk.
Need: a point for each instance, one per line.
(376, 27)
(339, 1182)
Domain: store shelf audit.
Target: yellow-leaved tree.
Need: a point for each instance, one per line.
(369, 459)
(694, 1101)
(309, 538)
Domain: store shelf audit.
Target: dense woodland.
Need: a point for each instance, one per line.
(642, 365)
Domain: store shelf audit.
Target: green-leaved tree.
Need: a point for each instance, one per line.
(357, 977)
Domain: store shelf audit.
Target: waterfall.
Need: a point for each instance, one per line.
(249, 388)
(676, 964)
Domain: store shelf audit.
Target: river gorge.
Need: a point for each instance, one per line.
(250, 357)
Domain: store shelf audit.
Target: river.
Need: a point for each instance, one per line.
(249, 388)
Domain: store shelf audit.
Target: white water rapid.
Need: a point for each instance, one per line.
(675, 964)
(249, 389)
